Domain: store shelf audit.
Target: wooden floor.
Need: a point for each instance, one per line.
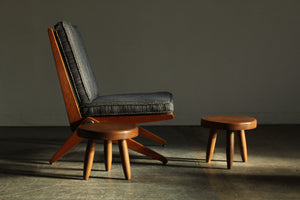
(272, 170)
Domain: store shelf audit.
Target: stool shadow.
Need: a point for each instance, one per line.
(236, 161)
(108, 178)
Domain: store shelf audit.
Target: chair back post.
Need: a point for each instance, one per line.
(70, 101)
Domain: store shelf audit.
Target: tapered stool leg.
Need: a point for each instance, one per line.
(89, 158)
(211, 144)
(243, 145)
(125, 158)
(107, 154)
(230, 148)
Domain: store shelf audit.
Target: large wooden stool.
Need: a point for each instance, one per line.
(108, 132)
(230, 123)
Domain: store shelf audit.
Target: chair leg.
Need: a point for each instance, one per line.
(243, 145)
(107, 154)
(89, 158)
(138, 147)
(230, 148)
(72, 141)
(125, 158)
(211, 144)
(147, 134)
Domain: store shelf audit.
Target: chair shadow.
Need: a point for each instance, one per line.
(32, 173)
(176, 162)
(20, 169)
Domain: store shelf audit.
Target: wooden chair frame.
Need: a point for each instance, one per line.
(76, 119)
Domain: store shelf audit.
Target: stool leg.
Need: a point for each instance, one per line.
(107, 154)
(211, 144)
(125, 158)
(229, 148)
(243, 144)
(89, 158)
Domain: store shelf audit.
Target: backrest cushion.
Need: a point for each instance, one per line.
(77, 63)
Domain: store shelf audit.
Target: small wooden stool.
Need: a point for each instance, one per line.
(107, 132)
(230, 123)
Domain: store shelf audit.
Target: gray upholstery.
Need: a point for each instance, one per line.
(130, 104)
(85, 86)
(76, 61)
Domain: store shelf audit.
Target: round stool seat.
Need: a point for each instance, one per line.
(229, 122)
(108, 131)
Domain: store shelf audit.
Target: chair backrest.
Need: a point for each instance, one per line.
(75, 74)
(76, 61)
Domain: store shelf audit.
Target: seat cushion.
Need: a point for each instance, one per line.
(77, 64)
(130, 104)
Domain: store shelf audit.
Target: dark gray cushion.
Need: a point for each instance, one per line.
(85, 86)
(77, 63)
(130, 104)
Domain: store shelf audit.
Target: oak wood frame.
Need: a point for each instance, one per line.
(76, 119)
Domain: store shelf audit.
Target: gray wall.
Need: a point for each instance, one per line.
(216, 57)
